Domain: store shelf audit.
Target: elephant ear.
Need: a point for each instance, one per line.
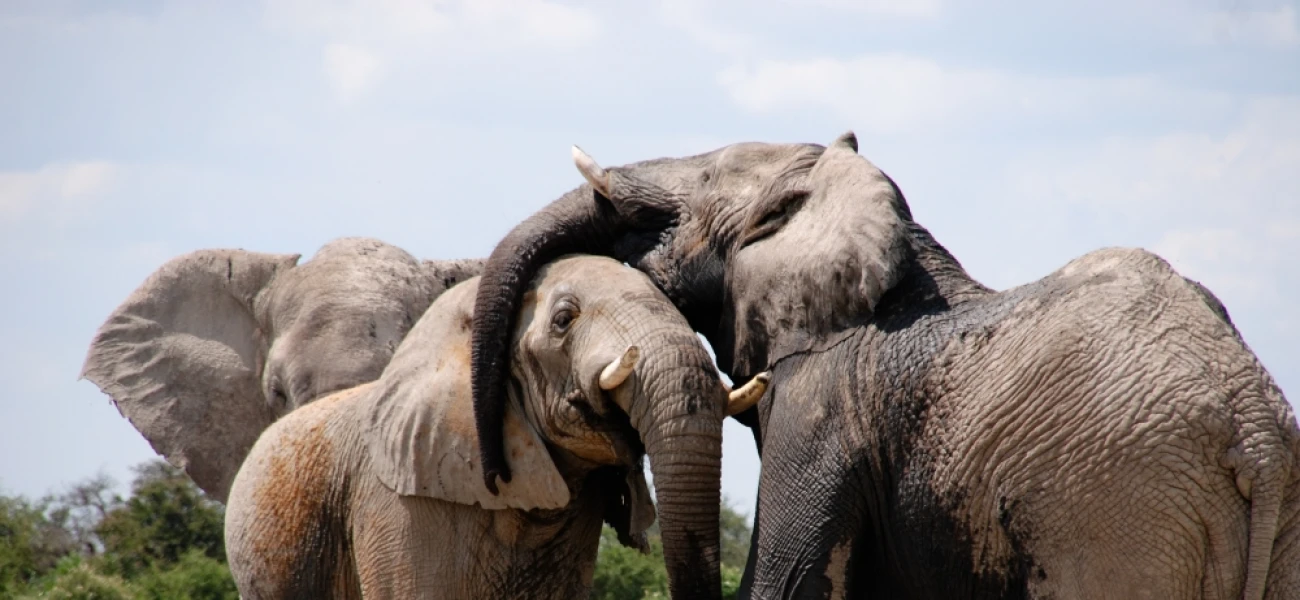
(182, 360)
(421, 434)
(816, 256)
(629, 507)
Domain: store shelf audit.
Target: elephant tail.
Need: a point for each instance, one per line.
(1264, 470)
(1266, 492)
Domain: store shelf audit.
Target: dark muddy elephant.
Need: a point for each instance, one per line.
(1103, 432)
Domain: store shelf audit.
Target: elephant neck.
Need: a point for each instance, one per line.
(934, 282)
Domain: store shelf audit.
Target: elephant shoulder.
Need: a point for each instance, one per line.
(298, 457)
(284, 520)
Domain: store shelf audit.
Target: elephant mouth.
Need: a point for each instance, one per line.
(617, 425)
(614, 425)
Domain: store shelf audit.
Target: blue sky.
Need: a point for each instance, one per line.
(1023, 134)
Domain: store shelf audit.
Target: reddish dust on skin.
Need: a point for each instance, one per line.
(295, 486)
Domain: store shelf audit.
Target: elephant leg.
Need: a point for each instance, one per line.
(406, 546)
(810, 508)
(1284, 571)
(804, 529)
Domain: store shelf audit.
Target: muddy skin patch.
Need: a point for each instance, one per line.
(299, 500)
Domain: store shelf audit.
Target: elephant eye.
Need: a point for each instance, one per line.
(563, 317)
(278, 394)
(774, 215)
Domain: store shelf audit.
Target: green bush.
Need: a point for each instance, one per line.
(166, 517)
(195, 577)
(75, 579)
(731, 581)
(31, 544)
(625, 574)
(164, 542)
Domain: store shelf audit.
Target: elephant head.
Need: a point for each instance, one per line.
(603, 372)
(765, 248)
(217, 344)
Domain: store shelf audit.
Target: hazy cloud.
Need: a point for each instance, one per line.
(351, 70)
(888, 8)
(894, 93)
(57, 192)
(1268, 27)
(428, 23)
(365, 41)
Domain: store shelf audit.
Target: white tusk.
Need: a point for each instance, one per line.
(616, 372)
(592, 172)
(741, 399)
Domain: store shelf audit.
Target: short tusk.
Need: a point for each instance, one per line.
(746, 396)
(616, 372)
(592, 172)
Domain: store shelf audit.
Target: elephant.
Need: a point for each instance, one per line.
(376, 491)
(217, 344)
(1102, 432)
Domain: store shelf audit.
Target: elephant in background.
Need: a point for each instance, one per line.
(376, 491)
(1101, 432)
(215, 345)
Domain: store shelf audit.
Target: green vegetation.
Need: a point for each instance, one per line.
(626, 574)
(164, 541)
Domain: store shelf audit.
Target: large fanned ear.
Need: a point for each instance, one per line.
(421, 435)
(816, 256)
(182, 360)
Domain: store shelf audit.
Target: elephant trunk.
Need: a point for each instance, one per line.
(681, 427)
(574, 223)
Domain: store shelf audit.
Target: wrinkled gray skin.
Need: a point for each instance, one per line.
(217, 344)
(1103, 432)
(377, 491)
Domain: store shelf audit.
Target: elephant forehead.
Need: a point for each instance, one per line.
(748, 155)
(588, 274)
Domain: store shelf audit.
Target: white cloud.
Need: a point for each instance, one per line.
(889, 8)
(1246, 171)
(1238, 264)
(351, 70)
(713, 24)
(894, 93)
(1223, 209)
(365, 41)
(461, 24)
(58, 191)
(686, 16)
(533, 21)
(1275, 27)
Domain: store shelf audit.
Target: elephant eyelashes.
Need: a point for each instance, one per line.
(774, 215)
(563, 317)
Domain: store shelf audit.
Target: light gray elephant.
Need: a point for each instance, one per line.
(217, 344)
(1103, 432)
(377, 491)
